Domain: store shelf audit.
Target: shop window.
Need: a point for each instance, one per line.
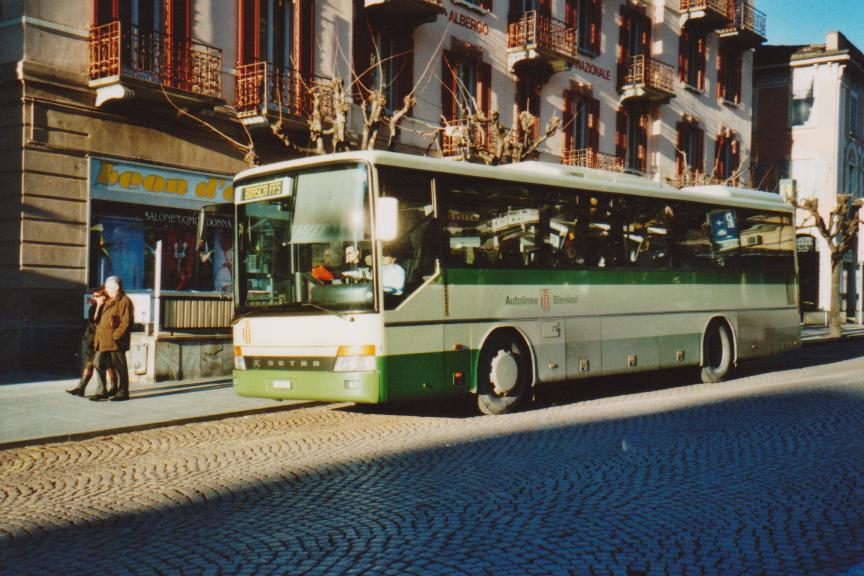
(691, 148)
(729, 76)
(691, 58)
(124, 243)
(631, 138)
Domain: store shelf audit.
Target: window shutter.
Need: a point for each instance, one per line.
(306, 38)
(596, 22)
(247, 31)
(643, 141)
(736, 158)
(700, 150)
(571, 14)
(484, 87)
(178, 23)
(722, 64)
(594, 124)
(105, 11)
(683, 61)
(621, 134)
(700, 61)
(362, 44)
(645, 40)
(567, 121)
(405, 68)
(623, 49)
(736, 93)
(681, 129)
(719, 169)
(448, 87)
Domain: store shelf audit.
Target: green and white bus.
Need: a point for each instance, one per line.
(375, 276)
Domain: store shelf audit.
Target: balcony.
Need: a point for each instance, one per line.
(746, 28)
(266, 91)
(588, 158)
(708, 14)
(462, 140)
(416, 11)
(126, 62)
(648, 79)
(538, 40)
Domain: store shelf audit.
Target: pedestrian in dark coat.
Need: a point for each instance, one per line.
(113, 333)
(88, 353)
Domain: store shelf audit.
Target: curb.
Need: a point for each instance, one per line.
(151, 425)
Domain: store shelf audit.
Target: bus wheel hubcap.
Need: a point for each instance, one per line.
(504, 373)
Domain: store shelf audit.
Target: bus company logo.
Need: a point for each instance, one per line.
(545, 299)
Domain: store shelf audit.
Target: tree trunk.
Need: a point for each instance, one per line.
(835, 320)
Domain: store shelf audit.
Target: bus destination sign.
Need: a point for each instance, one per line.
(265, 190)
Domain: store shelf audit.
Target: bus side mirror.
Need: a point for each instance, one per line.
(386, 219)
(209, 212)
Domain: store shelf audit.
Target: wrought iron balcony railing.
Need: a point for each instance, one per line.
(117, 51)
(747, 18)
(461, 138)
(261, 86)
(656, 78)
(588, 158)
(536, 31)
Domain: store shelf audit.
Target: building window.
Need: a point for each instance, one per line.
(383, 59)
(691, 58)
(466, 87)
(691, 148)
(631, 138)
(581, 122)
(729, 76)
(634, 39)
(726, 157)
(280, 32)
(852, 115)
(586, 17)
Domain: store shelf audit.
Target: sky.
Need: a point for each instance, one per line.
(807, 21)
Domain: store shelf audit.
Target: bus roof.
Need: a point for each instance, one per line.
(544, 173)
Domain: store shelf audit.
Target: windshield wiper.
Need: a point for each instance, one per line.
(328, 311)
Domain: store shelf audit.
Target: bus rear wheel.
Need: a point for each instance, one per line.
(503, 374)
(717, 353)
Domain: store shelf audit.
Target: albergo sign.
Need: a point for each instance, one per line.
(468, 22)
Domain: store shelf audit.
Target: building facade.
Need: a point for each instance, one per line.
(121, 119)
(808, 134)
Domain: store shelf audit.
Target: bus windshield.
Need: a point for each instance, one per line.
(306, 244)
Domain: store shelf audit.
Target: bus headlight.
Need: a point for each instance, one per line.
(239, 361)
(355, 359)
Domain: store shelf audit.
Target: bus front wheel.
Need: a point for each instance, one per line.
(717, 362)
(503, 374)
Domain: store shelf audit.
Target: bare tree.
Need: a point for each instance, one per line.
(839, 230)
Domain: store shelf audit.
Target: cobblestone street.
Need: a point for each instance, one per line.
(760, 475)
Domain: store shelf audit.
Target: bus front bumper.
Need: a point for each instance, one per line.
(300, 385)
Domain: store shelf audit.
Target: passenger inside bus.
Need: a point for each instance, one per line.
(320, 271)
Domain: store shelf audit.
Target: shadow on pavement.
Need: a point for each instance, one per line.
(755, 485)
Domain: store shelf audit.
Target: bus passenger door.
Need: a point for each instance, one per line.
(551, 351)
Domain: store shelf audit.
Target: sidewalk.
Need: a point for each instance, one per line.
(820, 333)
(34, 409)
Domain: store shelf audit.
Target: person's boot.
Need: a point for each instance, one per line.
(110, 387)
(82, 384)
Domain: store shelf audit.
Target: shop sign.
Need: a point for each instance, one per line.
(469, 22)
(149, 184)
(593, 69)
